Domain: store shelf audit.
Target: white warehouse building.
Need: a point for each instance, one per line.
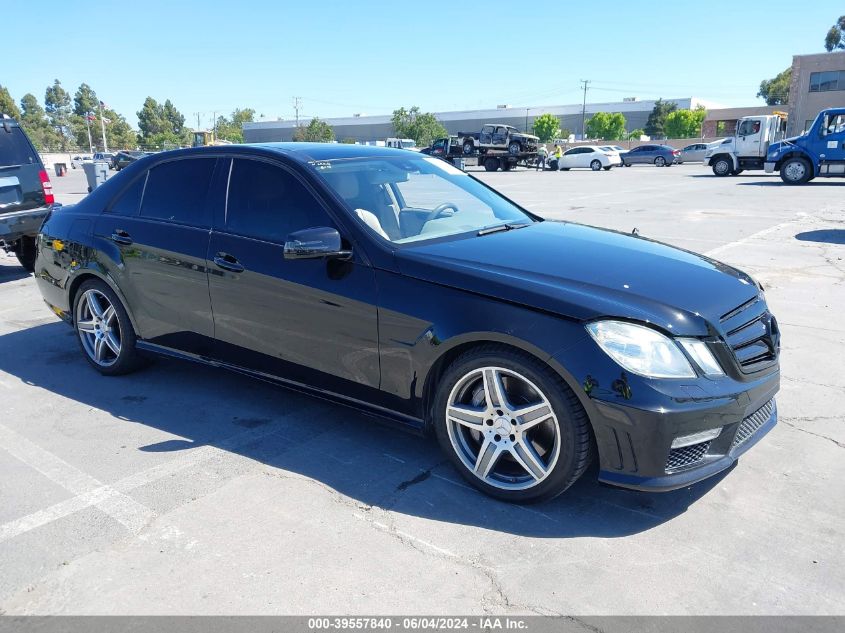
(362, 128)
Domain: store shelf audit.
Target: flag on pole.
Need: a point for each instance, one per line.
(90, 117)
(104, 106)
(105, 120)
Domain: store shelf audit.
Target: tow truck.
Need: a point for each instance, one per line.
(452, 150)
(818, 153)
(748, 148)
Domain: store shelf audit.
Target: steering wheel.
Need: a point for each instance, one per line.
(439, 209)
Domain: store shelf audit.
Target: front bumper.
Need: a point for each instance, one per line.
(769, 167)
(17, 224)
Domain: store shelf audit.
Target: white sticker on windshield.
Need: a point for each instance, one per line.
(444, 166)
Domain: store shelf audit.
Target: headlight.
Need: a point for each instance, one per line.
(641, 350)
(702, 356)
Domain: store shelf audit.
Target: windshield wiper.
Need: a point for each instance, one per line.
(502, 227)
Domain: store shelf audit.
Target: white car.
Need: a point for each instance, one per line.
(77, 161)
(589, 157)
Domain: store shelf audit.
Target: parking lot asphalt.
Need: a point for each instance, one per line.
(182, 489)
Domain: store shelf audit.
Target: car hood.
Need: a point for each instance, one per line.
(584, 273)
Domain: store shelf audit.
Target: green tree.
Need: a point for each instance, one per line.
(85, 100)
(547, 127)
(316, 131)
(161, 126)
(776, 90)
(635, 134)
(231, 129)
(57, 106)
(833, 40)
(423, 127)
(174, 119)
(657, 118)
(34, 121)
(606, 125)
(685, 123)
(8, 105)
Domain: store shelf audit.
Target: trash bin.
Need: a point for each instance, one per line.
(61, 169)
(96, 173)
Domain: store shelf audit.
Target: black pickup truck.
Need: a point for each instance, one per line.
(498, 136)
(26, 194)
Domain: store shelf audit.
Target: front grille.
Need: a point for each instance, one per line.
(752, 334)
(750, 425)
(686, 456)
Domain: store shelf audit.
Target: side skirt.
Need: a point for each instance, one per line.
(406, 422)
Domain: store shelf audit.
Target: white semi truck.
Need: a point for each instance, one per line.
(748, 148)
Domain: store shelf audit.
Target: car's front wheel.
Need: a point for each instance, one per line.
(796, 171)
(659, 161)
(104, 330)
(595, 165)
(511, 426)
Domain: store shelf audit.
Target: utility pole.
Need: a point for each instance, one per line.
(297, 104)
(214, 125)
(103, 126)
(586, 82)
(198, 120)
(88, 116)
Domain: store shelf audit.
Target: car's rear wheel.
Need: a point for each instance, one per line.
(24, 250)
(491, 164)
(659, 161)
(595, 165)
(624, 164)
(796, 171)
(511, 426)
(514, 148)
(104, 330)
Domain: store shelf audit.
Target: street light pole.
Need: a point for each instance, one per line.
(103, 126)
(586, 82)
(88, 116)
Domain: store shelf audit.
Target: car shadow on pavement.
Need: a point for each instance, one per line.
(373, 464)
(830, 236)
(12, 273)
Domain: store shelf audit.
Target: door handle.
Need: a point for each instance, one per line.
(121, 237)
(228, 262)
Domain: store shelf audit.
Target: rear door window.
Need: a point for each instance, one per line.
(129, 202)
(15, 148)
(176, 191)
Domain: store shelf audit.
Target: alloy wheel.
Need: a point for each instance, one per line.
(503, 428)
(659, 161)
(98, 328)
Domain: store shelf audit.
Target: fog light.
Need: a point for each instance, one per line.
(696, 438)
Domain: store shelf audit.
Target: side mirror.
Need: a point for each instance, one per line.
(315, 243)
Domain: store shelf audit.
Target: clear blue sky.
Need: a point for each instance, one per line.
(344, 57)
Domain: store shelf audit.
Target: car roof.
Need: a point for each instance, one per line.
(300, 152)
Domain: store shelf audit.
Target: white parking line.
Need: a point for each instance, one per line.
(112, 499)
(118, 506)
(772, 229)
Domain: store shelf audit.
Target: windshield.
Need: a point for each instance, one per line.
(416, 198)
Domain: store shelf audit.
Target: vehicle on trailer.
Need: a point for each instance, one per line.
(657, 155)
(588, 157)
(26, 194)
(394, 283)
(819, 153)
(498, 136)
(748, 148)
(451, 150)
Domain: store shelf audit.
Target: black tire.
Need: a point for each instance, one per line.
(595, 165)
(491, 164)
(608, 168)
(129, 359)
(575, 439)
(624, 164)
(796, 171)
(24, 250)
(722, 166)
(468, 148)
(514, 148)
(659, 162)
(737, 172)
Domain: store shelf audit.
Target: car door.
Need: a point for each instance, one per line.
(569, 158)
(748, 136)
(158, 227)
(586, 156)
(486, 136)
(313, 321)
(633, 157)
(832, 149)
(500, 137)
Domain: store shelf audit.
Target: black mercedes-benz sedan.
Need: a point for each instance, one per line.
(394, 283)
